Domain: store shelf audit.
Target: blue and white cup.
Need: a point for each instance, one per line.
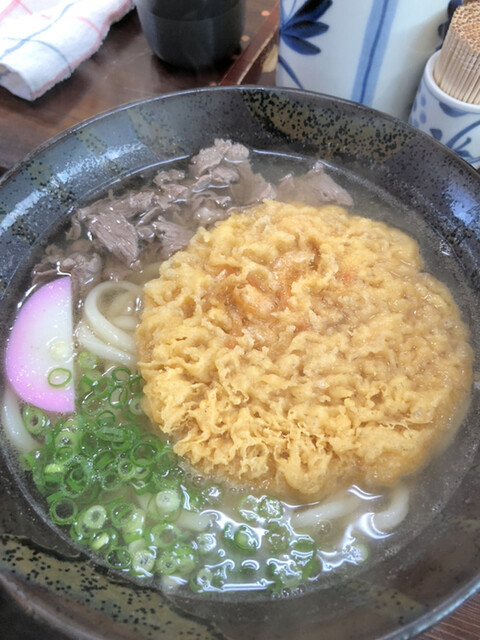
(454, 123)
(369, 51)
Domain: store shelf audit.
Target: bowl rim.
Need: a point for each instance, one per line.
(460, 595)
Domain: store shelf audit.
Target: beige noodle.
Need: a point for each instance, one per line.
(385, 521)
(103, 327)
(13, 424)
(89, 341)
(332, 509)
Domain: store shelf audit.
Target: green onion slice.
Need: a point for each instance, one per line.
(59, 377)
(63, 510)
(94, 517)
(87, 360)
(35, 420)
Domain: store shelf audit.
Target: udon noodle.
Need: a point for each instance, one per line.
(109, 333)
(154, 499)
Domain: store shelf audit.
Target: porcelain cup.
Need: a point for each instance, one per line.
(368, 51)
(454, 123)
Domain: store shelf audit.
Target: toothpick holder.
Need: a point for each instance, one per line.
(452, 122)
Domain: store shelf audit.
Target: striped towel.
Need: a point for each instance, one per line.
(43, 41)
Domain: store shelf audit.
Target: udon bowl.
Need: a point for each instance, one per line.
(414, 584)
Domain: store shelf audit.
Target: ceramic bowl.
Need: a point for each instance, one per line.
(420, 581)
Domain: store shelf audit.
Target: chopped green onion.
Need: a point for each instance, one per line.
(143, 473)
(118, 397)
(53, 475)
(78, 477)
(72, 423)
(166, 460)
(94, 517)
(222, 572)
(180, 560)
(126, 469)
(202, 581)
(87, 360)
(285, 573)
(104, 539)
(35, 420)
(135, 404)
(67, 438)
(270, 508)
(143, 562)
(92, 404)
(63, 510)
(121, 374)
(118, 558)
(164, 535)
(122, 438)
(248, 508)
(138, 544)
(278, 537)
(102, 388)
(135, 384)
(103, 459)
(168, 503)
(111, 434)
(246, 539)
(123, 514)
(106, 418)
(64, 455)
(89, 379)
(206, 542)
(144, 453)
(78, 533)
(59, 377)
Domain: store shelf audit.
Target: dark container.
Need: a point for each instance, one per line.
(193, 34)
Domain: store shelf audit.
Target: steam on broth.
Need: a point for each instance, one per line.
(113, 478)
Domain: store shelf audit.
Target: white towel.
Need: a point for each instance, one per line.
(43, 41)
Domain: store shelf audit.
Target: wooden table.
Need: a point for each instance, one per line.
(124, 70)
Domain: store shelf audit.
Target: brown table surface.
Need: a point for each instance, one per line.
(124, 70)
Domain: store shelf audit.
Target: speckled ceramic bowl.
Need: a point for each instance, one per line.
(439, 565)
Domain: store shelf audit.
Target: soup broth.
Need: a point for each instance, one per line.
(113, 481)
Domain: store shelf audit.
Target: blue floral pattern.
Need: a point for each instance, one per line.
(461, 142)
(299, 26)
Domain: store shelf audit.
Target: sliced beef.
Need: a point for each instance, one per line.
(236, 153)
(223, 176)
(135, 203)
(173, 237)
(314, 188)
(169, 176)
(83, 266)
(208, 159)
(252, 187)
(129, 205)
(205, 161)
(113, 233)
